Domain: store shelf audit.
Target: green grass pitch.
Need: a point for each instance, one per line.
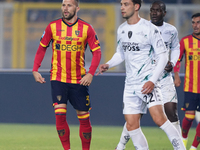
(44, 137)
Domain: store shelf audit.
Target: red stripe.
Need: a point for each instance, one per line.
(59, 69)
(80, 28)
(198, 44)
(69, 42)
(58, 28)
(68, 66)
(198, 74)
(69, 31)
(190, 40)
(78, 67)
(191, 76)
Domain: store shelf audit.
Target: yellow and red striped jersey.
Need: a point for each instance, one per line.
(190, 46)
(68, 45)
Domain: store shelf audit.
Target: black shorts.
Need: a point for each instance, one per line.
(192, 101)
(78, 95)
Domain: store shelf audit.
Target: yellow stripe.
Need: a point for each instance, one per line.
(186, 42)
(63, 54)
(54, 62)
(85, 29)
(189, 116)
(42, 45)
(60, 110)
(73, 54)
(195, 67)
(83, 116)
(96, 48)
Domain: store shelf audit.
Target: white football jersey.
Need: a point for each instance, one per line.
(170, 37)
(135, 44)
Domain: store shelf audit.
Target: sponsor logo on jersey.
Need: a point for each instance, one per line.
(197, 49)
(156, 31)
(65, 47)
(193, 57)
(68, 38)
(60, 30)
(130, 46)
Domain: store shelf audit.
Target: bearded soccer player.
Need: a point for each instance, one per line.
(135, 39)
(69, 80)
(170, 37)
(190, 46)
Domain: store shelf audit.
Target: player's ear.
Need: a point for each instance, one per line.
(164, 13)
(137, 7)
(77, 9)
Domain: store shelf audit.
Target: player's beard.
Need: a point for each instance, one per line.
(128, 16)
(70, 16)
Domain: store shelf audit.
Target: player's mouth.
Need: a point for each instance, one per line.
(154, 18)
(66, 13)
(123, 13)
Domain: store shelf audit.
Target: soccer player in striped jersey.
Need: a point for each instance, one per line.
(170, 37)
(190, 46)
(135, 39)
(69, 80)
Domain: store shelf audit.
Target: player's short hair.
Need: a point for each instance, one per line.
(161, 3)
(77, 2)
(196, 15)
(137, 2)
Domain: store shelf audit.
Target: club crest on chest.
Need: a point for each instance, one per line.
(129, 34)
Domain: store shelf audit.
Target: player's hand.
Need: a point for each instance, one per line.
(86, 80)
(38, 77)
(102, 68)
(177, 80)
(169, 67)
(147, 87)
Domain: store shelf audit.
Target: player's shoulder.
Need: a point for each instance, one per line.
(187, 37)
(81, 21)
(123, 25)
(170, 27)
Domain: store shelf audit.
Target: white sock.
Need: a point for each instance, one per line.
(139, 140)
(123, 139)
(177, 126)
(193, 147)
(173, 135)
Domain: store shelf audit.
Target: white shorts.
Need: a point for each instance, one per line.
(137, 103)
(168, 90)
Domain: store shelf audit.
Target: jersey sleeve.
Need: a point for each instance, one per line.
(182, 51)
(92, 39)
(39, 57)
(46, 37)
(160, 52)
(175, 48)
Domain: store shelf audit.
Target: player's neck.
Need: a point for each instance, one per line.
(71, 21)
(134, 19)
(196, 35)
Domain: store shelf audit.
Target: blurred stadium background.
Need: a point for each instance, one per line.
(21, 26)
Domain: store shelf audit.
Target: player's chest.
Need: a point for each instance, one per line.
(69, 35)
